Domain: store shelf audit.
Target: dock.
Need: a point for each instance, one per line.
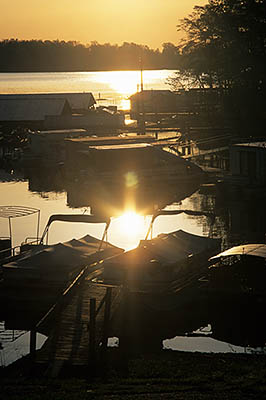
(71, 338)
(77, 325)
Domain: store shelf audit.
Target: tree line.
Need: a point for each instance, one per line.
(42, 56)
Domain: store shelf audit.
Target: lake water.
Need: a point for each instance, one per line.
(108, 87)
(113, 87)
(239, 218)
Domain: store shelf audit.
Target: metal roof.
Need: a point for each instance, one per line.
(121, 146)
(153, 92)
(258, 250)
(61, 132)
(31, 109)
(252, 144)
(77, 101)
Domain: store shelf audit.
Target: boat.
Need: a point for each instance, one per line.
(167, 263)
(236, 291)
(239, 270)
(51, 267)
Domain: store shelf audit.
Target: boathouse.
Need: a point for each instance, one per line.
(79, 102)
(55, 111)
(166, 103)
(248, 162)
(31, 112)
(152, 102)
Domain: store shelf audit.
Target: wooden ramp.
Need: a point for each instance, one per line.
(70, 339)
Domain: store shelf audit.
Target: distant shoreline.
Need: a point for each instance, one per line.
(83, 70)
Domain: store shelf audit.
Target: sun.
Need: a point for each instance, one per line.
(131, 224)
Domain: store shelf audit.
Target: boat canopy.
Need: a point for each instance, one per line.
(258, 250)
(176, 212)
(10, 212)
(78, 218)
(17, 211)
(84, 218)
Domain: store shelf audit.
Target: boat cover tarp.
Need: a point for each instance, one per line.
(67, 256)
(258, 250)
(162, 258)
(169, 248)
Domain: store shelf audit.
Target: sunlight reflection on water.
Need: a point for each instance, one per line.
(108, 87)
(16, 193)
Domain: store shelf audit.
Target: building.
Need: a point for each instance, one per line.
(163, 103)
(152, 102)
(53, 111)
(31, 112)
(78, 102)
(248, 162)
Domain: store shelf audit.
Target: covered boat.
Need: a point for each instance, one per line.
(169, 262)
(239, 270)
(40, 265)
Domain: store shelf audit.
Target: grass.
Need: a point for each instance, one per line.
(165, 375)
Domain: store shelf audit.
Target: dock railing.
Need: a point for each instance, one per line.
(88, 273)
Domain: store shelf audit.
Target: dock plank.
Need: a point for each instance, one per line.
(69, 340)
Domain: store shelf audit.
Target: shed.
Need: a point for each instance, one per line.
(31, 112)
(79, 102)
(248, 162)
(153, 101)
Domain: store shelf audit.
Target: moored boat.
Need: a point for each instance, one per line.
(51, 267)
(168, 263)
(240, 270)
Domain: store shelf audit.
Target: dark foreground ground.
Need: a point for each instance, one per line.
(166, 375)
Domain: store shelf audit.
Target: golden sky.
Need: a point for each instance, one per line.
(150, 22)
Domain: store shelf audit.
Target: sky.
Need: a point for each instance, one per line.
(149, 22)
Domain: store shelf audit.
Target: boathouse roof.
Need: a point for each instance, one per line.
(77, 101)
(32, 109)
(253, 144)
(152, 92)
(62, 132)
(123, 146)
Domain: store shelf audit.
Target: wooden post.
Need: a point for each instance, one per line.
(92, 333)
(123, 338)
(107, 315)
(107, 312)
(33, 340)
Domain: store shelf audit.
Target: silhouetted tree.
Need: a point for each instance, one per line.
(225, 44)
(225, 47)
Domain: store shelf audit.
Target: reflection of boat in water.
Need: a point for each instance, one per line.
(110, 177)
(166, 264)
(130, 165)
(51, 267)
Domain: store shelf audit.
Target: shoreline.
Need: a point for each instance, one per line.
(168, 375)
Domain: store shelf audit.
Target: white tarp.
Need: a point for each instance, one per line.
(258, 250)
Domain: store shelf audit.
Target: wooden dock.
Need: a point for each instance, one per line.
(77, 329)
